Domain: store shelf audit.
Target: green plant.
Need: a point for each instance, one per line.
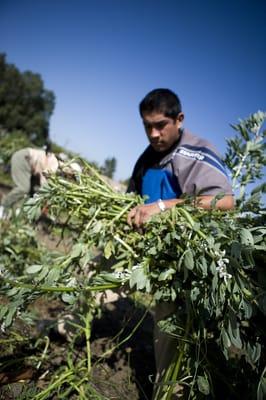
(209, 262)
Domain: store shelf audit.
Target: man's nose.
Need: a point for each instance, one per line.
(154, 132)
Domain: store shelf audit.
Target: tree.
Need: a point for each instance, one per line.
(109, 167)
(24, 102)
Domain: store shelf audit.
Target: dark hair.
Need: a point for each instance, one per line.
(161, 101)
(48, 146)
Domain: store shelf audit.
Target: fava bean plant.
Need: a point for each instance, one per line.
(209, 263)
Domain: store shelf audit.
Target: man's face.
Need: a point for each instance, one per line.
(162, 131)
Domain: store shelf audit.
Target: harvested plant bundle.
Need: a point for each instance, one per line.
(209, 263)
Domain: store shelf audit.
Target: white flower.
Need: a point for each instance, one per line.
(220, 263)
(118, 274)
(221, 269)
(122, 274)
(203, 245)
(3, 327)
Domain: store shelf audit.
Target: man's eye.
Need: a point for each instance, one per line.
(160, 125)
(157, 125)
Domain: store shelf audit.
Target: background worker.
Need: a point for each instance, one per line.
(28, 167)
(175, 163)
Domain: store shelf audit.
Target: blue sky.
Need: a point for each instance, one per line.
(101, 57)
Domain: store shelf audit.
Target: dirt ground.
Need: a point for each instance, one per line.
(126, 374)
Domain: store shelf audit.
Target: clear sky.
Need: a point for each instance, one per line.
(101, 57)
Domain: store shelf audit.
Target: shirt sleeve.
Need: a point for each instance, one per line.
(203, 175)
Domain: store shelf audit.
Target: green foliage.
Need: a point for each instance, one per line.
(9, 143)
(245, 154)
(109, 167)
(210, 263)
(20, 254)
(25, 104)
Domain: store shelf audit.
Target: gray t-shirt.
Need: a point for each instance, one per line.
(191, 167)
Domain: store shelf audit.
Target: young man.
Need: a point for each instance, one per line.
(175, 163)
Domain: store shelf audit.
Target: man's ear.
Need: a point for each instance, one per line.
(180, 117)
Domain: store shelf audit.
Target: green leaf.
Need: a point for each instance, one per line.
(43, 273)
(244, 134)
(216, 198)
(254, 352)
(138, 278)
(153, 251)
(215, 283)
(189, 259)
(225, 338)
(166, 274)
(246, 307)
(261, 391)
(77, 250)
(194, 294)
(259, 189)
(11, 313)
(3, 311)
(202, 265)
(233, 332)
(97, 227)
(13, 291)
(246, 237)
(53, 275)
(68, 298)
(236, 251)
(203, 385)
(248, 256)
(213, 268)
(33, 269)
(109, 249)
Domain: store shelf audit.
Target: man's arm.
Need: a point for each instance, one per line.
(141, 214)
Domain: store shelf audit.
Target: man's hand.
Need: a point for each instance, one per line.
(140, 214)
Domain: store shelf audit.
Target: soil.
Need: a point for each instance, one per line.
(125, 374)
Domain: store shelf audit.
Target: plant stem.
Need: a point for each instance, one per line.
(182, 352)
(70, 289)
(88, 319)
(58, 382)
(239, 169)
(171, 374)
(125, 245)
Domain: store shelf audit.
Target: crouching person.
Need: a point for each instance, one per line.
(28, 167)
